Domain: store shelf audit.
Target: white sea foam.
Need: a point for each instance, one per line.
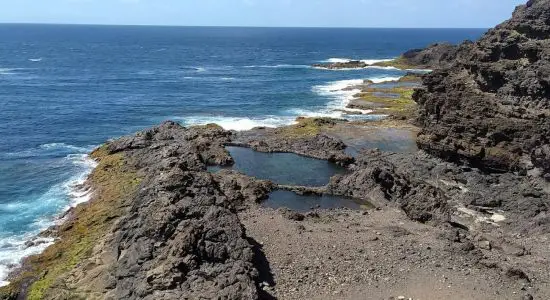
(370, 64)
(374, 61)
(7, 71)
(356, 110)
(51, 148)
(346, 60)
(280, 66)
(35, 59)
(12, 250)
(64, 195)
(421, 71)
(239, 124)
(334, 60)
(321, 113)
(61, 146)
(74, 187)
(211, 78)
(338, 69)
(382, 68)
(341, 94)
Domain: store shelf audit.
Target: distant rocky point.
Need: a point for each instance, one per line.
(352, 64)
(432, 57)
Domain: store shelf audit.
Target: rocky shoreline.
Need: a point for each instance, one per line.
(433, 56)
(465, 217)
(453, 221)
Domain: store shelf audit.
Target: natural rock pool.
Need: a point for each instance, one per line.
(282, 168)
(304, 203)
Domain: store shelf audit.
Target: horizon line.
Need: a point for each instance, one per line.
(229, 26)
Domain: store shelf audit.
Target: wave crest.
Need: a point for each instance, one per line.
(280, 66)
(236, 123)
(63, 196)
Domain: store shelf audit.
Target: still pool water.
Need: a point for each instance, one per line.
(282, 168)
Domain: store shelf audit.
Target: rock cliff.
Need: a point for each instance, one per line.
(491, 107)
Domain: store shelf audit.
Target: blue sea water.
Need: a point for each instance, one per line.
(65, 89)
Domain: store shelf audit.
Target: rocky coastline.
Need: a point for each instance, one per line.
(433, 56)
(463, 216)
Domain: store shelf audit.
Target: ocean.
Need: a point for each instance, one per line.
(65, 89)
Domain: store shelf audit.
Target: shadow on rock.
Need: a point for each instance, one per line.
(265, 278)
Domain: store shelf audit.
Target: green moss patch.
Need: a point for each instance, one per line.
(374, 99)
(400, 63)
(307, 127)
(411, 77)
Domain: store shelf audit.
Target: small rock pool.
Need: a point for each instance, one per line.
(282, 168)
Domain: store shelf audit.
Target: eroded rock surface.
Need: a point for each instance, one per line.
(179, 236)
(491, 108)
(182, 238)
(429, 189)
(434, 56)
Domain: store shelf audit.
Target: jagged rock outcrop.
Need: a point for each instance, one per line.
(168, 231)
(428, 189)
(434, 56)
(491, 107)
(181, 238)
(376, 178)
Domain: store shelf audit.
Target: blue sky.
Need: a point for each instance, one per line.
(299, 13)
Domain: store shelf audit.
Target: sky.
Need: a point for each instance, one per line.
(268, 13)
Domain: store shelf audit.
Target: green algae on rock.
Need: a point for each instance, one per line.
(114, 182)
(396, 101)
(158, 225)
(307, 127)
(399, 63)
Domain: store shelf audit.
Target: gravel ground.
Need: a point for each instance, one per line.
(378, 254)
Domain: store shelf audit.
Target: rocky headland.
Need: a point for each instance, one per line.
(491, 107)
(465, 217)
(434, 56)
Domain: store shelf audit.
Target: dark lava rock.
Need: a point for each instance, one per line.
(241, 189)
(429, 189)
(491, 107)
(292, 215)
(434, 56)
(181, 237)
(353, 64)
(376, 178)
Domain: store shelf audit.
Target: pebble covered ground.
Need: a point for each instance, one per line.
(377, 254)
